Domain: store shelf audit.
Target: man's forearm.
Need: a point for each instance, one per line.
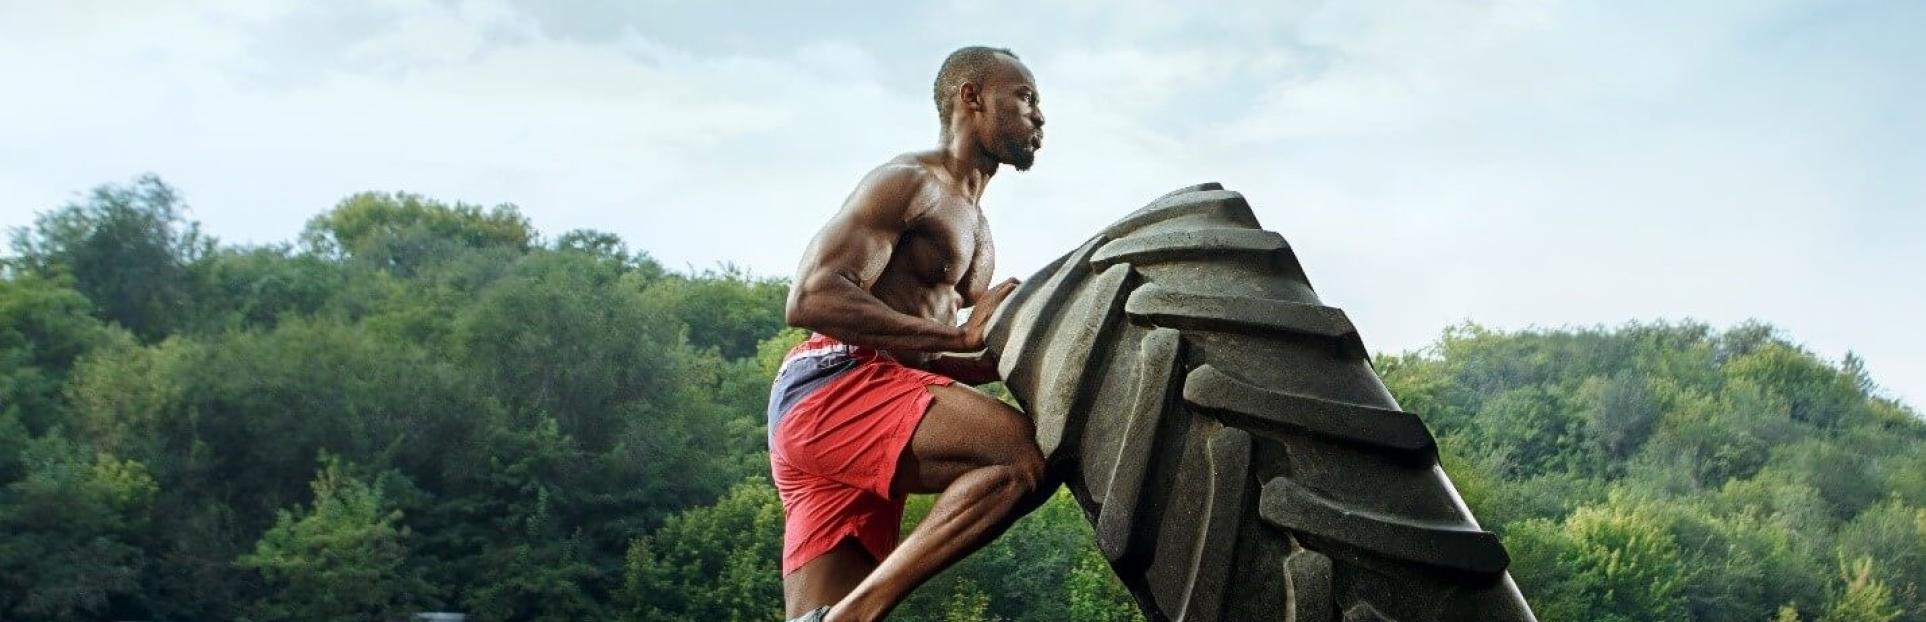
(845, 312)
(965, 369)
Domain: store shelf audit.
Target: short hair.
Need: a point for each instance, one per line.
(968, 64)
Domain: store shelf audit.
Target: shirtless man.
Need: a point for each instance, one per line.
(867, 410)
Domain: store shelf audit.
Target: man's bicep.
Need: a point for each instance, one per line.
(853, 248)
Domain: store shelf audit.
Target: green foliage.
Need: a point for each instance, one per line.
(727, 309)
(44, 329)
(73, 527)
(1841, 475)
(402, 231)
(770, 351)
(250, 288)
(529, 410)
(1862, 598)
(565, 430)
(1895, 534)
(541, 574)
(1615, 562)
(343, 557)
(243, 410)
(710, 563)
(1622, 412)
(1094, 594)
(967, 603)
(564, 335)
(1739, 564)
(1027, 574)
(1666, 472)
(1533, 430)
(1814, 392)
(127, 248)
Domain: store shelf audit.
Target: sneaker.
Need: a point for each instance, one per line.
(814, 615)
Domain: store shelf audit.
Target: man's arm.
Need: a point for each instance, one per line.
(966, 368)
(831, 293)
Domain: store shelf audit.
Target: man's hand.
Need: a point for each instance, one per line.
(975, 330)
(975, 364)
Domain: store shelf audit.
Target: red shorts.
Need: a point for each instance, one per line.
(840, 417)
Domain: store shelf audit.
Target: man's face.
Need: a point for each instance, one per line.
(1014, 131)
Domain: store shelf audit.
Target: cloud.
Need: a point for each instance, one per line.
(1519, 162)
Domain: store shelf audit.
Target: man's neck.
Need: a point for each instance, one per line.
(972, 167)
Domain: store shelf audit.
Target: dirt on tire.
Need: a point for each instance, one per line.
(1227, 437)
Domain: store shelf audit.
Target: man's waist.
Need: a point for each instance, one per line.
(821, 345)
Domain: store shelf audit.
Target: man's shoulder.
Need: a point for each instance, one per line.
(895, 185)
(909, 169)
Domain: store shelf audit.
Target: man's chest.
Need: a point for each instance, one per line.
(951, 245)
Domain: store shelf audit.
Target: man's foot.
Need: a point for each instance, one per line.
(815, 615)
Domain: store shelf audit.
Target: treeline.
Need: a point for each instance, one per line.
(427, 406)
(418, 406)
(1668, 472)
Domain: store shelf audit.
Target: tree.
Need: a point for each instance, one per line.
(403, 232)
(727, 309)
(1703, 441)
(1815, 392)
(1741, 565)
(544, 574)
(45, 327)
(713, 563)
(1623, 410)
(343, 557)
(1895, 534)
(127, 248)
(967, 603)
(1095, 595)
(255, 287)
(1616, 562)
(575, 338)
(1535, 431)
(1026, 573)
(1861, 598)
(73, 526)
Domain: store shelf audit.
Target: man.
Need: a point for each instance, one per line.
(867, 409)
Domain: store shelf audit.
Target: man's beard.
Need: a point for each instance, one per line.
(1017, 152)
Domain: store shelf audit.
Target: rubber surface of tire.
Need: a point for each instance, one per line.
(1227, 437)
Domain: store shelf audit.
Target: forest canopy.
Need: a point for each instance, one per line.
(419, 405)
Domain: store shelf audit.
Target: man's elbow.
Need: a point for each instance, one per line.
(805, 308)
(797, 312)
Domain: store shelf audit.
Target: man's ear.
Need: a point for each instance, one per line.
(971, 95)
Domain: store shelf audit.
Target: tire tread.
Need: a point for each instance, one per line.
(1215, 492)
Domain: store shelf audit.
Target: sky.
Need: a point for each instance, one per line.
(1518, 164)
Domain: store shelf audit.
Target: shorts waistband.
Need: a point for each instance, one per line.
(818, 344)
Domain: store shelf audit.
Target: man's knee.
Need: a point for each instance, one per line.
(1022, 457)
(1026, 468)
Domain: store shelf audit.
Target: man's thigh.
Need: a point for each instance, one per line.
(963, 430)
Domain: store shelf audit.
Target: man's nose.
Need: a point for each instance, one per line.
(1036, 116)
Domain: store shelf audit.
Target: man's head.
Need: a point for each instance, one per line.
(987, 94)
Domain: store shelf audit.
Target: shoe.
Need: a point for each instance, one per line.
(814, 615)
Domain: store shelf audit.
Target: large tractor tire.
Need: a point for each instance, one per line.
(1226, 436)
